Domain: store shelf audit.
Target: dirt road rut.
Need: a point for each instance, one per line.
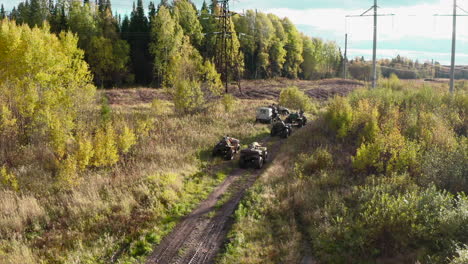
(199, 236)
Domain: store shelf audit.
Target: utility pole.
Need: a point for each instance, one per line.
(432, 70)
(374, 49)
(345, 60)
(454, 40)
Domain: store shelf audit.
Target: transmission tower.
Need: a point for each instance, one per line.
(224, 58)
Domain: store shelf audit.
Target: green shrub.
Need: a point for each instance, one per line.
(84, 151)
(105, 147)
(365, 121)
(388, 217)
(393, 83)
(8, 179)
(141, 248)
(188, 96)
(228, 101)
(389, 153)
(320, 160)
(294, 98)
(339, 116)
(126, 139)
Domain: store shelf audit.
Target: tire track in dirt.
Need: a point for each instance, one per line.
(198, 237)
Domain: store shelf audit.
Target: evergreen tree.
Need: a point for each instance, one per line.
(22, 13)
(108, 23)
(37, 13)
(63, 22)
(214, 6)
(164, 3)
(204, 6)
(125, 27)
(139, 37)
(2, 12)
(151, 12)
(208, 23)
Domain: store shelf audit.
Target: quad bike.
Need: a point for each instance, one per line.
(266, 115)
(296, 119)
(281, 129)
(226, 148)
(283, 111)
(255, 155)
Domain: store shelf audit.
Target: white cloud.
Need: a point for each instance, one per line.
(412, 21)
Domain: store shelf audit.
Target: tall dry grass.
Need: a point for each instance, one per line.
(111, 210)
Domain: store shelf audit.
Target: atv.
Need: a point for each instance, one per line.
(255, 155)
(281, 129)
(226, 148)
(296, 119)
(283, 111)
(266, 115)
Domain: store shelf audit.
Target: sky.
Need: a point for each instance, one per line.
(413, 32)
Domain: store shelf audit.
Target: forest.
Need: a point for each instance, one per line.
(124, 50)
(90, 174)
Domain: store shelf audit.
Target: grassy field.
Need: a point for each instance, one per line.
(118, 213)
(314, 200)
(379, 177)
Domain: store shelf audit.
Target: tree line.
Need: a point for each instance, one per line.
(403, 68)
(143, 47)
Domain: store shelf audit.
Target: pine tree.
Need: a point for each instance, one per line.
(2, 12)
(63, 21)
(22, 13)
(139, 37)
(37, 13)
(125, 27)
(164, 3)
(214, 6)
(208, 24)
(204, 7)
(151, 12)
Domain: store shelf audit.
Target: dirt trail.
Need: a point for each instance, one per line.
(199, 236)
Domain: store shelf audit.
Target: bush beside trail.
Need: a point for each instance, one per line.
(387, 171)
